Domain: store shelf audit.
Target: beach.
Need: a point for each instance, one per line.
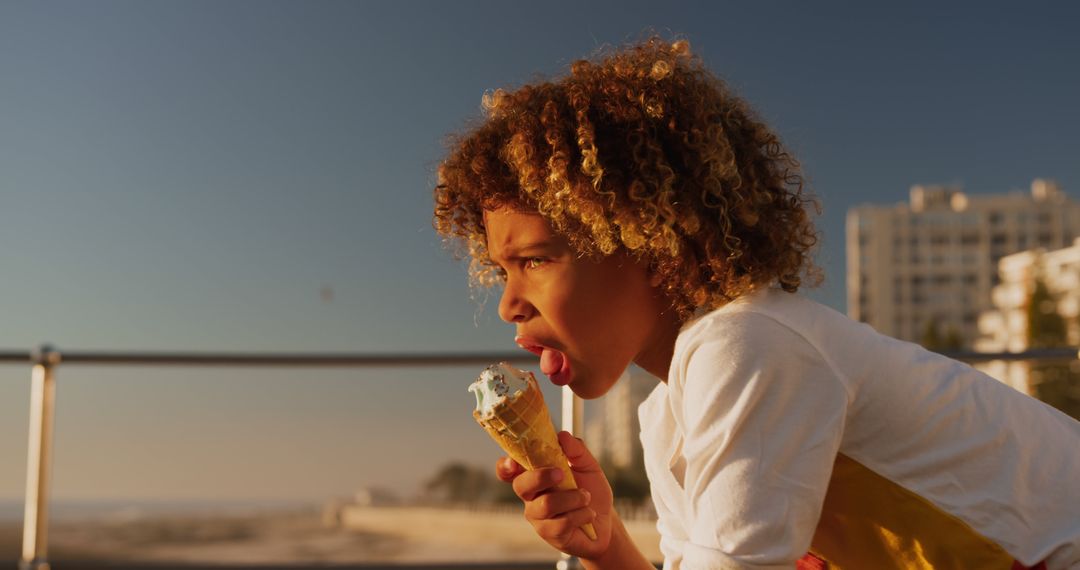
(350, 535)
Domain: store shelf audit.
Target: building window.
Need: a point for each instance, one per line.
(996, 218)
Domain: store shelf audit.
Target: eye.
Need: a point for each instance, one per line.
(534, 262)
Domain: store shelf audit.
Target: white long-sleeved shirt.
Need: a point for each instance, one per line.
(785, 427)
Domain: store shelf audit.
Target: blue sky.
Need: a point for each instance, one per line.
(191, 176)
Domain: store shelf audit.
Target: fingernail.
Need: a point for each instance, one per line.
(588, 496)
(557, 476)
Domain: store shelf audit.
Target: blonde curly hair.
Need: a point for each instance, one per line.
(645, 150)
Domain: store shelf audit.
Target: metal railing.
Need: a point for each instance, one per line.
(1062, 353)
(45, 360)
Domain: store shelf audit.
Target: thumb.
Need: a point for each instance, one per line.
(589, 476)
(581, 460)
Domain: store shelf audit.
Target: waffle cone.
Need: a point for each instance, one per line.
(523, 428)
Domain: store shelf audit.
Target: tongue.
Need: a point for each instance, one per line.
(551, 361)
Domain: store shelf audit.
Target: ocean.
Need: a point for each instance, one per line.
(61, 510)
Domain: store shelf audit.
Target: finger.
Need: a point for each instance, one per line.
(506, 469)
(531, 484)
(556, 503)
(561, 529)
(579, 456)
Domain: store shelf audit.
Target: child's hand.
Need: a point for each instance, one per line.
(557, 515)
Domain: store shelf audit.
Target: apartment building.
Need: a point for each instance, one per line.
(935, 258)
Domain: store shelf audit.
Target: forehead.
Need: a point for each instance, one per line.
(509, 229)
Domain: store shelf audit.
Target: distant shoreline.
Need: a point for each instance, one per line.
(77, 509)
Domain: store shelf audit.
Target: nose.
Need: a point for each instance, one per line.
(513, 308)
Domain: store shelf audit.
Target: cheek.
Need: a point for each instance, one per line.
(572, 306)
(605, 311)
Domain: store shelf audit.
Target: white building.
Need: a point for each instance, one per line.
(614, 433)
(1004, 328)
(934, 259)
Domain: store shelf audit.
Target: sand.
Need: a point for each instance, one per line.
(431, 534)
(362, 534)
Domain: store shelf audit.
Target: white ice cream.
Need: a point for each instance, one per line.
(495, 384)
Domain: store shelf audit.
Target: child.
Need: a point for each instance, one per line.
(637, 211)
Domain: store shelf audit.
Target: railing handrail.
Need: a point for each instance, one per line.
(348, 359)
(269, 358)
(1058, 353)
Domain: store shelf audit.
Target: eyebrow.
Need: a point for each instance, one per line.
(517, 251)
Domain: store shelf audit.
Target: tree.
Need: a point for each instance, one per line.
(460, 483)
(628, 482)
(1056, 383)
(953, 339)
(1045, 327)
(932, 339)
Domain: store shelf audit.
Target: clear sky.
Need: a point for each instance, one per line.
(200, 175)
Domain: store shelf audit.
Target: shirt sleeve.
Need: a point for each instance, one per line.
(762, 415)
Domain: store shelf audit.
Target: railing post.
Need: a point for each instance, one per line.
(39, 459)
(573, 421)
(573, 412)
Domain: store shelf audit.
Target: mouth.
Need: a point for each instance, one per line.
(553, 363)
(529, 345)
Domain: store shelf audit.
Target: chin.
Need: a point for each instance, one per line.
(590, 388)
(585, 393)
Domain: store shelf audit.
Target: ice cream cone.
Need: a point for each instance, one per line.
(521, 425)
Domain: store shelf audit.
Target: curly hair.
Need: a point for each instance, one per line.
(641, 149)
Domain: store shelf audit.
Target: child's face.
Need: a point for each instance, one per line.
(587, 319)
